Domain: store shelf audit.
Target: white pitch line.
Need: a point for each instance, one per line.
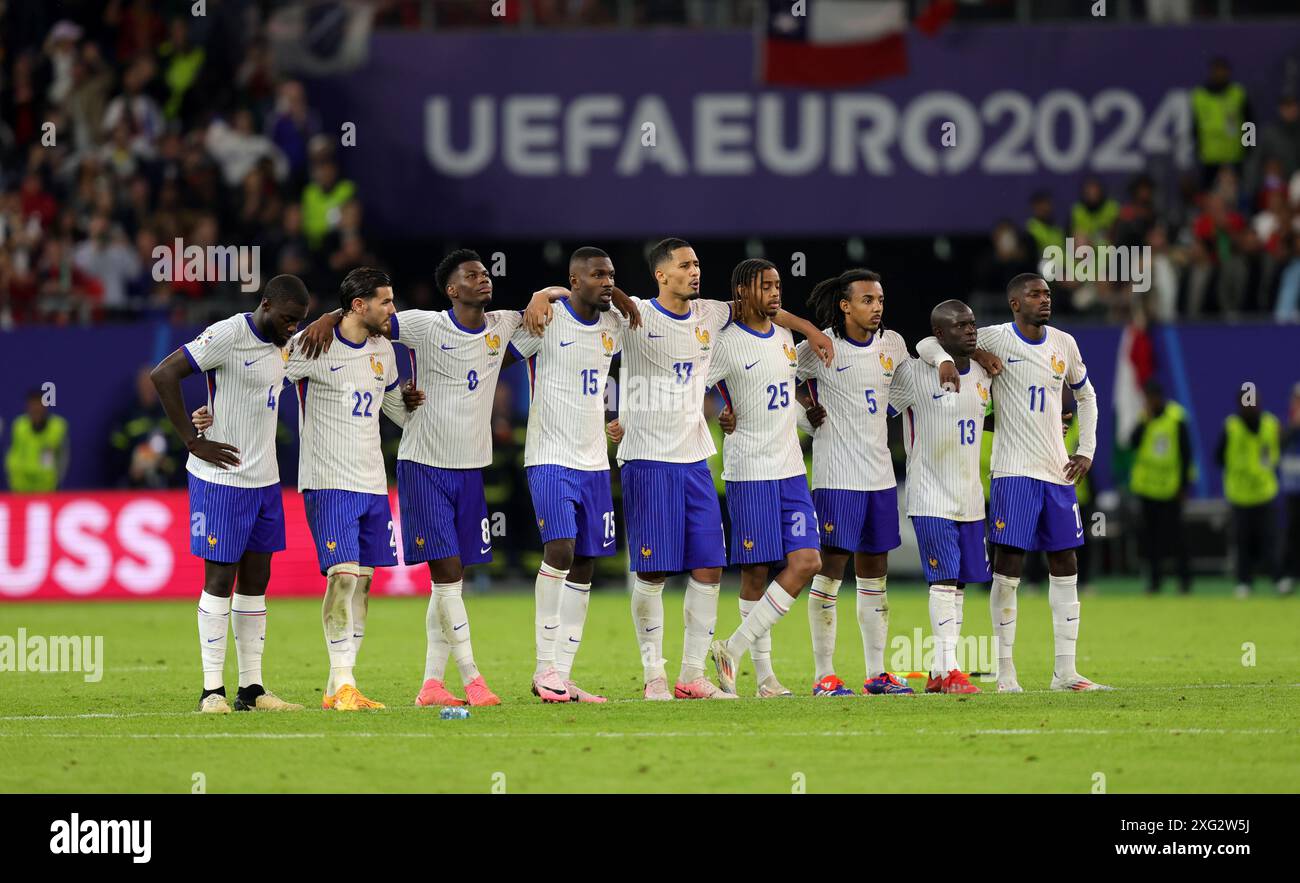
(1190, 731)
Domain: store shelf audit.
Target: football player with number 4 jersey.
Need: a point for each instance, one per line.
(1032, 503)
(567, 462)
(942, 432)
(772, 517)
(236, 504)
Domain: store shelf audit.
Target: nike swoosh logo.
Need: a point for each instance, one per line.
(710, 631)
(444, 346)
(655, 336)
(1008, 622)
(939, 396)
(827, 606)
(210, 640)
(845, 368)
(258, 359)
(945, 622)
(485, 551)
(339, 641)
(574, 641)
(652, 628)
(750, 365)
(880, 610)
(549, 627)
(607, 545)
(1071, 618)
(457, 628)
(339, 368)
(1009, 361)
(1078, 534)
(570, 343)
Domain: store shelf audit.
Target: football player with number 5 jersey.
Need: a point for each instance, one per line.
(1032, 503)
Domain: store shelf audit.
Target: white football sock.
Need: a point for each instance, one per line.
(249, 623)
(648, 620)
(546, 613)
(1063, 598)
(959, 601)
(873, 622)
(774, 604)
(821, 621)
(1002, 608)
(573, 616)
(700, 613)
(336, 618)
(943, 625)
(361, 606)
(761, 651)
(455, 627)
(214, 617)
(436, 648)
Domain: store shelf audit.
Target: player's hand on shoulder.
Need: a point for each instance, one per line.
(949, 379)
(727, 420)
(316, 338)
(817, 416)
(822, 345)
(538, 313)
(202, 419)
(216, 453)
(412, 398)
(1078, 467)
(615, 431)
(627, 307)
(989, 362)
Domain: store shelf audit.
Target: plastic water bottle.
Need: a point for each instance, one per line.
(453, 714)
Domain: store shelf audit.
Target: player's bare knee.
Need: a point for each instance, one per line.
(582, 571)
(559, 554)
(1063, 563)
(805, 563)
(710, 576)
(446, 570)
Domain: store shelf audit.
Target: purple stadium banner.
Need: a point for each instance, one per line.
(645, 133)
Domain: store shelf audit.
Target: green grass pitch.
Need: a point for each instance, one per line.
(1189, 714)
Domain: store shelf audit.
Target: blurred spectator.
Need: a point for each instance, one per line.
(144, 448)
(1290, 478)
(61, 56)
(1161, 477)
(1162, 300)
(1288, 295)
(1276, 156)
(108, 257)
(323, 200)
(38, 451)
(1219, 107)
(1008, 258)
(1217, 257)
(239, 148)
(1137, 217)
(1093, 216)
(1042, 226)
(1248, 451)
(292, 127)
(181, 63)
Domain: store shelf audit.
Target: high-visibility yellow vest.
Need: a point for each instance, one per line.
(33, 458)
(1158, 464)
(1250, 461)
(1218, 117)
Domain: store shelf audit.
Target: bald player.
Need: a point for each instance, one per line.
(942, 431)
(1032, 502)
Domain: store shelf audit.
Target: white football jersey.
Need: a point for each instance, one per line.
(851, 448)
(457, 369)
(567, 372)
(1027, 400)
(244, 373)
(661, 382)
(757, 374)
(340, 395)
(942, 432)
